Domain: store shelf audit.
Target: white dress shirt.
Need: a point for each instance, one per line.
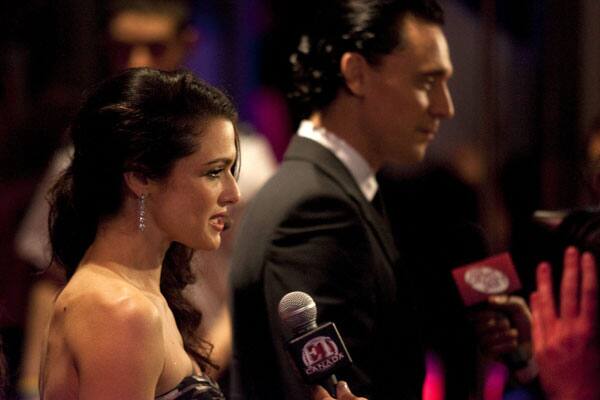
(356, 164)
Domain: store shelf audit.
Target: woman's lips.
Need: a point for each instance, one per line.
(220, 222)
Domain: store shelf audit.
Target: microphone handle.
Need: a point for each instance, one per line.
(330, 385)
(518, 359)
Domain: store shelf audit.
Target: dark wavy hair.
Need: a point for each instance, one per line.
(141, 120)
(368, 27)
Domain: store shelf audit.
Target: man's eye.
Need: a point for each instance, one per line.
(158, 49)
(428, 83)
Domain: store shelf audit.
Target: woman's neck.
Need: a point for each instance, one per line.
(135, 256)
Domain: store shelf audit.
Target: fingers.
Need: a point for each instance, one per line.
(537, 327)
(344, 393)
(545, 296)
(569, 288)
(499, 343)
(489, 322)
(319, 393)
(507, 303)
(589, 289)
(495, 334)
(342, 390)
(518, 313)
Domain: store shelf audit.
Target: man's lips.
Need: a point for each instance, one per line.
(430, 132)
(430, 129)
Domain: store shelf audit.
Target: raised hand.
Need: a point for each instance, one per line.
(565, 340)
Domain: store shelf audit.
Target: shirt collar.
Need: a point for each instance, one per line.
(356, 164)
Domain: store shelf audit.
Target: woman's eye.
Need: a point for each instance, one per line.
(214, 173)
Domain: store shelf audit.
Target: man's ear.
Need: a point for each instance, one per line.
(190, 37)
(353, 67)
(137, 182)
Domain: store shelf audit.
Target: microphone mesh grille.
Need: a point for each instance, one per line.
(298, 311)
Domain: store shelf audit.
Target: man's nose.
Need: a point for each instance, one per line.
(443, 106)
(140, 56)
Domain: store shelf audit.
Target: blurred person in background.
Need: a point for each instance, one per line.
(158, 34)
(149, 33)
(31, 98)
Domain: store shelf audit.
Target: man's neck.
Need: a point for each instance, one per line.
(342, 117)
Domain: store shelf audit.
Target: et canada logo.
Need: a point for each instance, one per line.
(487, 280)
(319, 354)
(492, 275)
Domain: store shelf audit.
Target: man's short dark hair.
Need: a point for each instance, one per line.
(368, 27)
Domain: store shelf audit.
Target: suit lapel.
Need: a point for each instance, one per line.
(308, 150)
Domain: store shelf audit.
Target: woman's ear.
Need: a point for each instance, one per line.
(352, 67)
(137, 182)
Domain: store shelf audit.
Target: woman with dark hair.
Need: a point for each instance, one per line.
(152, 177)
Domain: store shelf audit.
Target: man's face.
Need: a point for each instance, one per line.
(407, 95)
(139, 39)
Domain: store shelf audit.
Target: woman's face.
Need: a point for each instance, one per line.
(191, 205)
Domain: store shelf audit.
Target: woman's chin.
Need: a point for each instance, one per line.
(212, 244)
(208, 244)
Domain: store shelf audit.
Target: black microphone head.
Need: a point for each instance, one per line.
(298, 312)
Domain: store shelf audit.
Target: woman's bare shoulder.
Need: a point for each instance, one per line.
(99, 309)
(113, 333)
(93, 291)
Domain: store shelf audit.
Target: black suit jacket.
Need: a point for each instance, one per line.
(311, 229)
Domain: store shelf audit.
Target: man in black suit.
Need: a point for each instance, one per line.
(373, 77)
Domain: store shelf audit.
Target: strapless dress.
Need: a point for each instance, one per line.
(194, 387)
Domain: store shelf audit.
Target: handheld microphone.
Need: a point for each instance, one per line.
(317, 351)
(493, 275)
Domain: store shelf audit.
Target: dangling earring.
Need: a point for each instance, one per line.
(142, 212)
